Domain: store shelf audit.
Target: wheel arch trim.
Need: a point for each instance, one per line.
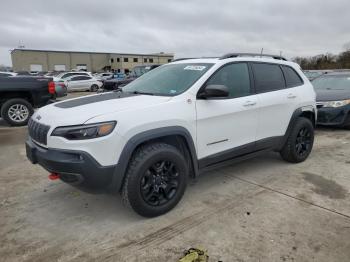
(138, 139)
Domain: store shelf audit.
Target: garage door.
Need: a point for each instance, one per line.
(60, 67)
(36, 68)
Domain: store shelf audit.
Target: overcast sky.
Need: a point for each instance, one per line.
(183, 27)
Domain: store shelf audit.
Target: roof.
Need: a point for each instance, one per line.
(87, 52)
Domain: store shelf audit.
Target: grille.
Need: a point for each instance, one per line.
(38, 132)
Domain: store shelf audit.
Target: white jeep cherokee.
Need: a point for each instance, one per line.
(174, 122)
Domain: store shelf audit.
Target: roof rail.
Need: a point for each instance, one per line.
(180, 59)
(232, 55)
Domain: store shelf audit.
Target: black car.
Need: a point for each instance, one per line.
(333, 99)
(137, 71)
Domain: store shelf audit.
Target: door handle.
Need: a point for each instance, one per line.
(291, 96)
(249, 103)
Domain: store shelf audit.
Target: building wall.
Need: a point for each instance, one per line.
(95, 62)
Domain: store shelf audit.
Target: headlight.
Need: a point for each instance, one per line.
(336, 103)
(88, 131)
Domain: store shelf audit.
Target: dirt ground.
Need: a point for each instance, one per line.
(262, 209)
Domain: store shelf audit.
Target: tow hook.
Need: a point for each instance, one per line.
(54, 176)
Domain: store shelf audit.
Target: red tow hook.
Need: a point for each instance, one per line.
(54, 176)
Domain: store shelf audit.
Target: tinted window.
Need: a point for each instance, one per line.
(67, 75)
(267, 77)
(76, 78)
(235, 77)
(292, 78)
(84, 78)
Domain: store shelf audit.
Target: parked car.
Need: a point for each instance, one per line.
(137, 71)
(333, 99)
(104, 76)
(7, 74)
(174, 122)
(65, 75)
(20, 95)
(83, 83)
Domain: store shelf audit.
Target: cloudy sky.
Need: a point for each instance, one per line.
(183, 27)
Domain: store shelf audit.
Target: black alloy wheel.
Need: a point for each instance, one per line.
(160, 183)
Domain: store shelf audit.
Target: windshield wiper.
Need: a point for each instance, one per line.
(142, 93)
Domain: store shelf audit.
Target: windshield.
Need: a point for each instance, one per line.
(168, 80)
(339, 82)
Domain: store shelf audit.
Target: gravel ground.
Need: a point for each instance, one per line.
(262, 209)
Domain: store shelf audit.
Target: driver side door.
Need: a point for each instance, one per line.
(226, 127)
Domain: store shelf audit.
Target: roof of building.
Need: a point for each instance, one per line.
(87, 52)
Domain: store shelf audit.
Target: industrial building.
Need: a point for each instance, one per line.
(48, 60)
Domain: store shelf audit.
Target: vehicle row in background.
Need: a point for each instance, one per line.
(118, 81)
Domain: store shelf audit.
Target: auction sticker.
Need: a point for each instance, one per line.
(194, 67)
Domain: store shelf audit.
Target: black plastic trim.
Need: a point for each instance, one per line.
(134, 142)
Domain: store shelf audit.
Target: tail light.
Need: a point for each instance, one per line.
(52, 88)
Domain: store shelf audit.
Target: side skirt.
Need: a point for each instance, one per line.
(240, 153)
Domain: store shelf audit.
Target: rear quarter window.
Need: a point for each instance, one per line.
(292, 77)
(268, 77)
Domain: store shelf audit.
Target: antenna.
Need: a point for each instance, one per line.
(262, 51)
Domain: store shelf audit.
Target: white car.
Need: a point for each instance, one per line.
(175, 122)
(83, 83)
(65, 75)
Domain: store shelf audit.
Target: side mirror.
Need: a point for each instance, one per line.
(214, 91)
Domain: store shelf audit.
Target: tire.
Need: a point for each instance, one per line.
(155, 170)
(94, 88)
(11, 107)
(299, 142)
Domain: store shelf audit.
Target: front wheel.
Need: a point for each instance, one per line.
(300, 141)
(155, 180)
(17, 111)
(94, 88)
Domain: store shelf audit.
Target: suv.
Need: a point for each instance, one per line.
(174, 122)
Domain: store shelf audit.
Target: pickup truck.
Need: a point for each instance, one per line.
(20, 95)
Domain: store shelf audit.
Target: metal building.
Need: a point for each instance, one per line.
(48, 60)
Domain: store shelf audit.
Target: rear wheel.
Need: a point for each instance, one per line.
(156, 179)
(300, 141)
(17, 111)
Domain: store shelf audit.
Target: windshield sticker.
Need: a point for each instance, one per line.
(196, 68)
(172, 91)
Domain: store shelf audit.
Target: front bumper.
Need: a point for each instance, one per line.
(339, 116)
(74, 167)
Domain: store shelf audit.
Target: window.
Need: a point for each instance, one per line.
(118, 59)
(135, 60)
(235, 77)
(169, 60)
(151, 60)
(292, 77)
(126, 59)
(145, 60)
(168, 80)
(268, 77)
(79, 78)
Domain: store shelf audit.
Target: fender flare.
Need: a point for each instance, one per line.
(135, 141)
(296, 114)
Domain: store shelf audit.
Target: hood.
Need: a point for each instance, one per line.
(79, 110)
(332, 95)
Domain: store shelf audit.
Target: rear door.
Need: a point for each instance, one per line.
(223, 125)
(276, 101)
